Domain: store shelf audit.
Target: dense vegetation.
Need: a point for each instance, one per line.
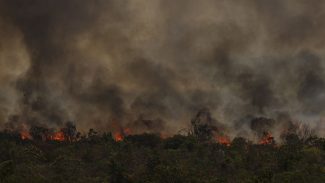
(148, 158)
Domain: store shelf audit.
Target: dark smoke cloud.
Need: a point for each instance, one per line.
(145, 62)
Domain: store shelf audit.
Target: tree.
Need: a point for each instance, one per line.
(202, 127)
(70, 131)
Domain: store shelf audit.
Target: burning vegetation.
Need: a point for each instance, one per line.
(225, 140)
(205, 153)
(50, 136)
(39, 133)
(24, 135)
(203, 127)
(135, 72)
(267, 139)
(120, 135)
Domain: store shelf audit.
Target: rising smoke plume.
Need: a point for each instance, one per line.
(106, 63)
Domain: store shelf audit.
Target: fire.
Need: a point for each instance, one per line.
(267, 139)
(58, 136)
(24, 135)
(119, 136)
(223, 140)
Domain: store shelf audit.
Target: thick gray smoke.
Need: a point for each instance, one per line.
(108, 63)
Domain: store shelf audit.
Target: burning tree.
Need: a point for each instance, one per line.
(202, 127)
(40, 133)
(261, 125)
(267, 139)
(69, 131)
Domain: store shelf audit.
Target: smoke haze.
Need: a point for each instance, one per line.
(106, 63)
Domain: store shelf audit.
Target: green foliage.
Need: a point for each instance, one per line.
(147, 158)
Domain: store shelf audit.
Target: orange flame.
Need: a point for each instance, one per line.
(58, 136)
(225, 140)
(267, 139)
(119, 136)
(24, 135)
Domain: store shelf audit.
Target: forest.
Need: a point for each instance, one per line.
(147, 157)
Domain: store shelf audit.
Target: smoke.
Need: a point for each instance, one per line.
(105, 62)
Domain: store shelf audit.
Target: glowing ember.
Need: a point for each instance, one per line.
(267, 139)
(58, 136)
(24, 135)
(223, 140)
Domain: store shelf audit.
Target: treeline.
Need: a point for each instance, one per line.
(148, 158)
